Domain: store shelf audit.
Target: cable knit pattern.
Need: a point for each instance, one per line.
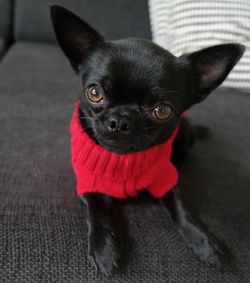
(120, 175)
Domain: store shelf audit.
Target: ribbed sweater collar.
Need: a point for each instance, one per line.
(104, 162)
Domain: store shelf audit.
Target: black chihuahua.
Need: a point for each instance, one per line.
(139, 77)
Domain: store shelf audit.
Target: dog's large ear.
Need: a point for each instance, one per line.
(75, 37)
(212, 65)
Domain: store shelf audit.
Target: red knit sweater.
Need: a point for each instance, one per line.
(120, 175)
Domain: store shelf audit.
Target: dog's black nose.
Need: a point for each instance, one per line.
(119, 125)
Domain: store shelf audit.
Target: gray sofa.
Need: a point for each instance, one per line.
(42, 223)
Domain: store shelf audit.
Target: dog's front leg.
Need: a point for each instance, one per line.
(102, 246)
(194, 236)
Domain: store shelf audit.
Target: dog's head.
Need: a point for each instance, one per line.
(133, 91)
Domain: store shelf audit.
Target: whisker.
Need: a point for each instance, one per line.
(147, 128)
(172, 91)
(86, 128)
(87, 118)
(147, 137)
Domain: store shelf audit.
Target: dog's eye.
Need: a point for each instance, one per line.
(94, 94)
(163, 112)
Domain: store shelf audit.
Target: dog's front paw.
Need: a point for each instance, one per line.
(207, 252)
(205, 249)
(103, 252)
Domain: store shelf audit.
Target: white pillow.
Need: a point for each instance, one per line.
(183, 26)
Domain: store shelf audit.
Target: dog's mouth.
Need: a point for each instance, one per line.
(120, 142)
(124, 144)
(119, 145)
(135, 141)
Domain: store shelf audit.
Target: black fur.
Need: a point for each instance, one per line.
(135, 76)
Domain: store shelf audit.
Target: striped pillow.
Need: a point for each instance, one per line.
(183, 26)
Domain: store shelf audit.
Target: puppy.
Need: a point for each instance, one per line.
(134, 94)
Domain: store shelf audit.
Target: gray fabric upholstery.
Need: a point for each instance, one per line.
(3, 46)
(115, 19)
(42, 223)
(6, 8)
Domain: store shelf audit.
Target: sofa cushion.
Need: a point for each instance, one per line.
(6, 12)
(3, 47)
(115, 19)
(43, 228)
